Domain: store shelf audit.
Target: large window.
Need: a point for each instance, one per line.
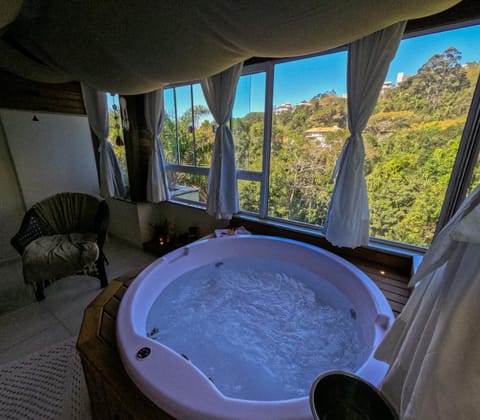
(290, 122)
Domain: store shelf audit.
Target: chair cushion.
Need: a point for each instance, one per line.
(55, 256)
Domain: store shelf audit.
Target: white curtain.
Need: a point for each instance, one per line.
(111, 178)
(433, 347)
(348, 219)
(219, 91)
(157, 187)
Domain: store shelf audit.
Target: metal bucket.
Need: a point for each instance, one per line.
(340, 395)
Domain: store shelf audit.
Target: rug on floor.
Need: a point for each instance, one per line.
(47, 385)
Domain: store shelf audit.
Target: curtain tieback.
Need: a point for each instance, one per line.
(348, 143)
(156, 138)
(102, 144)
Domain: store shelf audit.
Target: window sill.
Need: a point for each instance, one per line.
(374, 243)
(377, 249)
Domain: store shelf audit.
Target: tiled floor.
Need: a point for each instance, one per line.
(27, 326)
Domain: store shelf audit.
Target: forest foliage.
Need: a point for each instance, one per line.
(411, 142)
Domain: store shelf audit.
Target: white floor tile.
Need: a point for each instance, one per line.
(26, 322)
(14, 293)
(27, 326)
(53, 334)
(68, 297)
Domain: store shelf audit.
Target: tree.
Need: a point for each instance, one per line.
(329, 111)
(440, 74)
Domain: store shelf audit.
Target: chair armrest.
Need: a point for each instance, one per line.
(32, 227)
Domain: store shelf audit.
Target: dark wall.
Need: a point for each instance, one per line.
(18, 93)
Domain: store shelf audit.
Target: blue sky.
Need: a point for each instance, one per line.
(300, 80)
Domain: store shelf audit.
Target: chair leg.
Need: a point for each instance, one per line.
(102, 274)
(39, 293)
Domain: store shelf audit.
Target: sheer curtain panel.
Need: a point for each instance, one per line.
(111, 178)
(348, 218)
(432, 347)
(219, 91)
(157, 187)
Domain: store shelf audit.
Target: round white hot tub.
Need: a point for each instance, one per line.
(239, 327)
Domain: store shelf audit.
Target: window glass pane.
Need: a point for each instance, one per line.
(185, 125)
(189, 121)
(309, 129)
(413, 135)
(169, 133)
(204, 124)
(115, 135)
(248, 121)
(249, 195)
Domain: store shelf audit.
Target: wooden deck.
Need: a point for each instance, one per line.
(393, 286)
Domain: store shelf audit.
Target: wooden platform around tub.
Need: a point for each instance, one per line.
(112, 393)
(393, 286)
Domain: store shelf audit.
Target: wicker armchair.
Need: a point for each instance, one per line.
(61, 236)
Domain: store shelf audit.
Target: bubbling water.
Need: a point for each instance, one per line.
(260, 329)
